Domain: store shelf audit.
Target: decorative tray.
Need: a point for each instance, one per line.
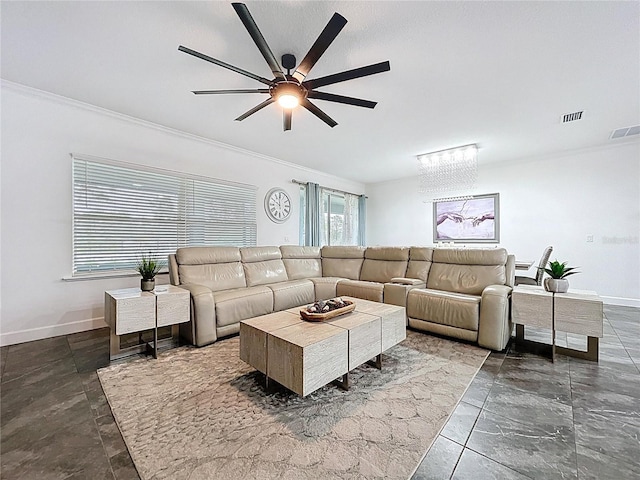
(320, 316)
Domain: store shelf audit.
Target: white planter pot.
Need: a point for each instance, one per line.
(556, 285)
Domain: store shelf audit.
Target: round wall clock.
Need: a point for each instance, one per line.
(277, 204)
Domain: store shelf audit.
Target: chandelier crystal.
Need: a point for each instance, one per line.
(448, 171)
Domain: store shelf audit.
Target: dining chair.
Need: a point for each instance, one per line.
(540, 270)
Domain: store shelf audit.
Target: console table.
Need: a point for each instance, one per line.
(577, 311)
(131, 310)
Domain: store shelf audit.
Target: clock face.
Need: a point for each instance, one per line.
(277, 204)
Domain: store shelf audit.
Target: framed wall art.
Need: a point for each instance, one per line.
(474, 219)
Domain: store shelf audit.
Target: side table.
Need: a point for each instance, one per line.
(130, 310)
(577, 311)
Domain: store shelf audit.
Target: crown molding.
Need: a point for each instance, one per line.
(562, 153)
(52, 97)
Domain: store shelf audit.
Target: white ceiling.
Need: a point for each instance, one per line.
(498, 74)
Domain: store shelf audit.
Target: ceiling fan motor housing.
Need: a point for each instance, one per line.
(290, 87)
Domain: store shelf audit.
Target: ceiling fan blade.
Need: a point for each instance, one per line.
(326, 37)
(214, 92)
(330, 97)
(268, 101)
(225, 65)
(318, 113)
(287, 118)
(348, 75)
(251, 26)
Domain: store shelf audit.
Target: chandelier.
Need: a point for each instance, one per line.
(452, 171)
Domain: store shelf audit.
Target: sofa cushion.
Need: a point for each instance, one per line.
(446, 308)
(342, 251)
(397, 254)
(207, 255)
(325, 287)
(381, 264)
(469, 279)
(242, 303)
(216, 276)
(467, 271)
(218, 268)
(470, 256)
(342, 261)
(263, 265)
(301, 262)
(419, 263)
(292, 294)
(360, 289)
(259, 254)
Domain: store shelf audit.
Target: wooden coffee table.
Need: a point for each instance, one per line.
(304, 356)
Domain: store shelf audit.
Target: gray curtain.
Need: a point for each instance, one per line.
(312, 215)
(362, 219)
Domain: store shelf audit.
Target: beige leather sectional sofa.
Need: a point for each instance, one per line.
(462, 293)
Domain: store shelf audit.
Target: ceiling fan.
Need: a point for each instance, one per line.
(291, 90)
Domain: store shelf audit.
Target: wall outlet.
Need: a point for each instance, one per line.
(589, 238)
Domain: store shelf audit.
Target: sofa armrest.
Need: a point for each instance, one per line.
(494, 327)
(395, 293)
(408, 281)
(202, 328)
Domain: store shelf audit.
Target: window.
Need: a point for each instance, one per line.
(122, 211)
(339, 218)
(331, 217)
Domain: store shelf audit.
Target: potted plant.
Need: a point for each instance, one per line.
(148, 267)
(558, 273)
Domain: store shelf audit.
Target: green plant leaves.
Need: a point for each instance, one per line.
(559, 270)
(148, 266)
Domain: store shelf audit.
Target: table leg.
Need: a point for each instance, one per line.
(376, 362)
(344, 382)
(114, 344)
(155, 342)
(519, 332)
(591, 354)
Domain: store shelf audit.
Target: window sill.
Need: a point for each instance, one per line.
(103, 275)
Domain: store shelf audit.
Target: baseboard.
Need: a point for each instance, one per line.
(21, 336)
(625, 302)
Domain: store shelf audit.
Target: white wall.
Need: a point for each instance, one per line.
(554, 201)
(39, 131)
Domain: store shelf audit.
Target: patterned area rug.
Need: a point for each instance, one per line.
(202, 413)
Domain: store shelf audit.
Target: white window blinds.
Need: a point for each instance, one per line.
(121, 212)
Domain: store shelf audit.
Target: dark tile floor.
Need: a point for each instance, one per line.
(522, 417)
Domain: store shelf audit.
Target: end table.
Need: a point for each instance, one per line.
(130, 310)
(577, 311)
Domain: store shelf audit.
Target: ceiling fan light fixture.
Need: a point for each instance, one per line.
(288, 100)
(288, 94)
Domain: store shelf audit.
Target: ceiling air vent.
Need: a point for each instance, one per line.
(625, 132)
(571, 117)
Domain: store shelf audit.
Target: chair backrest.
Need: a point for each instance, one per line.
(543, 263)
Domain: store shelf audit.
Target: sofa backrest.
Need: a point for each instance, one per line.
(301, 262)
(420, 259)
(467, 270)
(263, 265)
(381, 264)
(342, 261)
(218, 268)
